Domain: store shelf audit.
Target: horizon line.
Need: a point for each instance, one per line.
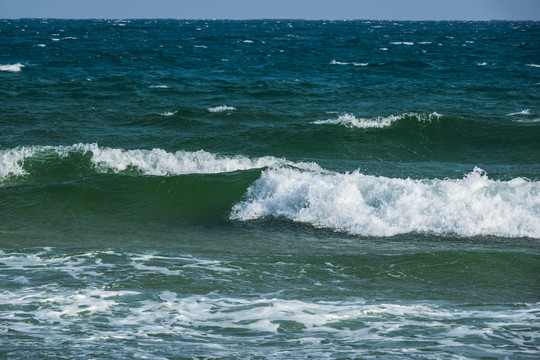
(261, 19)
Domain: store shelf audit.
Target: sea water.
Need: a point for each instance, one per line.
(269, 189)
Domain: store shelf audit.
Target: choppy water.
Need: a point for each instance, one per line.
(269, 189)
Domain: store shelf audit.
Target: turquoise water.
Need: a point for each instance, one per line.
(269, 189)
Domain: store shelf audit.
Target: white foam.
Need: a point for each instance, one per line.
(379, 206)
(159, 86)
(156, 162)
(94, 313)
(522, 112)
(352, 121)
(360, 64)
(221, 108)
(402, 43)
(12, 161)
(482, 64)
(168, 113)
(334, 62)
(248, 41)
(219, 323)
(41, 45)
(534, 65)
(13, 67)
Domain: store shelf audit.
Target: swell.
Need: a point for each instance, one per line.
(42, 164)
(432, 136)
(99, 202)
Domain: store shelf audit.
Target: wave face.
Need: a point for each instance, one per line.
(378, 206)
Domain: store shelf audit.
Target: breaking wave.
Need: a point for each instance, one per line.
(156, 162)
(12, 68)
(351, 121)
(367, 205)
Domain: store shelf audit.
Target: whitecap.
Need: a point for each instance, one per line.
(360, 64)
(482, 64)
(155, 162)
(40, 45)
(168, 113)
(12, 68)
(522, 112)
(368, 205)
(12, 161)
(159, 86)
(534, 65)
(349, 120)
(248, 41)
(334, 62)
(221, 108)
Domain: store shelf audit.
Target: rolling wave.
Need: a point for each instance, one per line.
(366, 205)
(303, 192)
(351, 121)
(93, 158)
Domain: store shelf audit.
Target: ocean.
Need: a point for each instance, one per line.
(269, 189)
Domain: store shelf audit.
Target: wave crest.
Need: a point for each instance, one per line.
(367, 205)
(351, 121)
(156, 162)
(12, 68)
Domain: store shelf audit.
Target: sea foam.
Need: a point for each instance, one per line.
(522, 112)
(349, 120)
(221, 108)
(154, 162)
(12, 160)
(94, 311)
(368, 205)
(13, 67)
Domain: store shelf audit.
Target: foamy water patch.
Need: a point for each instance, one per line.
(221, 108)
(367, 205)
(89, 312)
(94, 319)
(12, 67)
(351, 121)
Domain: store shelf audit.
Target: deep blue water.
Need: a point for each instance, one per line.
(269, 189)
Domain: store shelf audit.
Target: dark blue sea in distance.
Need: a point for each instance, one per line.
(269, 189)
